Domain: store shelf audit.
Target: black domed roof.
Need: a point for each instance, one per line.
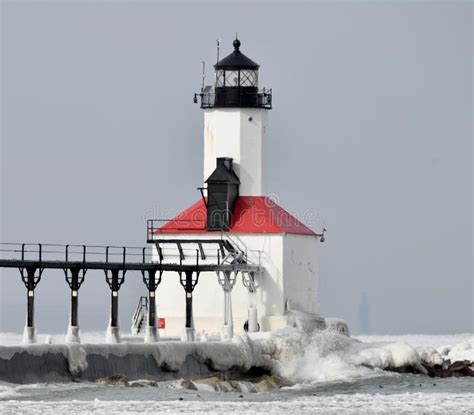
(236, 60)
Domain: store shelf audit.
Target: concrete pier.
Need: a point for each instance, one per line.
(166, 360)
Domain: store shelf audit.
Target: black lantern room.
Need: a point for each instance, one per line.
(236, 84)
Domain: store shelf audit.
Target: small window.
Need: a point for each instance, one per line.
(219, 78)
(248, 78)
(231, 78)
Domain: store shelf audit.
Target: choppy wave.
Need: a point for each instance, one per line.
(336, 404)
(327, 357)
(8, 392)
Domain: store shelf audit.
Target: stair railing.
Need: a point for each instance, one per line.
(139, 315)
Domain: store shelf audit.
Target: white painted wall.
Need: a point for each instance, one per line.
(208, 297)
(301, 271)
(238, 133)
(290, 272)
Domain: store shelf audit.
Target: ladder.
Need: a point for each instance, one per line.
(140, 316)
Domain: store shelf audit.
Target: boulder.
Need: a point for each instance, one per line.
(188, 385)
(142, 383)
(211, 381)
(448, 369)
(218, 383)
(115, 380)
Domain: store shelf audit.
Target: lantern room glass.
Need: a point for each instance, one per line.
(233, 78)
(219, 78)
(248, 78)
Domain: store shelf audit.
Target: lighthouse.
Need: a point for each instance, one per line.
(234, 222)
(235, 120)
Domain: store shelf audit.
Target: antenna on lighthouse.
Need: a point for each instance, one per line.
(218, 41)
(203, 74)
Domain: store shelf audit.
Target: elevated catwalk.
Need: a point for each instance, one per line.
(33, 259)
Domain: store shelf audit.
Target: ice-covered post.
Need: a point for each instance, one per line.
(74, 280)
(248, 280)
(188, 284)
(227, 282)
(151, 282)
(114, 281)
(30, 276)
(30, 279)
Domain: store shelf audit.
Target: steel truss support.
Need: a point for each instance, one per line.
(114, 278)
(151, 281)
(248, 279)
(30, 276)
(227, 280)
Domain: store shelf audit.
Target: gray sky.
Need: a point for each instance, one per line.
(371, 128)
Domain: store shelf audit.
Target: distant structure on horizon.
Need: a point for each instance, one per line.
(364, 313)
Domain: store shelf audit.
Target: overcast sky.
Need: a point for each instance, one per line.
(371, 129)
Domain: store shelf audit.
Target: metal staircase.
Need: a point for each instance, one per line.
(236, 249)
(140, 315)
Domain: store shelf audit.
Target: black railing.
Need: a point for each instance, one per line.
(74, 253)
(262, 98)
(153, 225)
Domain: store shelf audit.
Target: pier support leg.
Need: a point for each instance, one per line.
(74, 280)
(115, 282)
(227, 281)
(29, 332)
(188, 284)
(189, 330)
(29, 335)
(252, 322)
(151, 281)
(30, 279)
(228, 327)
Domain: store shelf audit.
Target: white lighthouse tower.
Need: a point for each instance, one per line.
(235, 120)
(233, 222)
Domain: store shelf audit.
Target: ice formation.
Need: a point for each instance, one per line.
(461, 351)
(328, 356)
(291, 353)
(77, 358)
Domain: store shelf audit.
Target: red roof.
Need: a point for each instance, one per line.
(251, 215)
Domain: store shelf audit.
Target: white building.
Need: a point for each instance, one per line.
(236, 212)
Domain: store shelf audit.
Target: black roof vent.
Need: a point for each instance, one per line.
(223, 172)
(222, 193)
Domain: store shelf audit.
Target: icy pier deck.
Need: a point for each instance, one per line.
(89, 362)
